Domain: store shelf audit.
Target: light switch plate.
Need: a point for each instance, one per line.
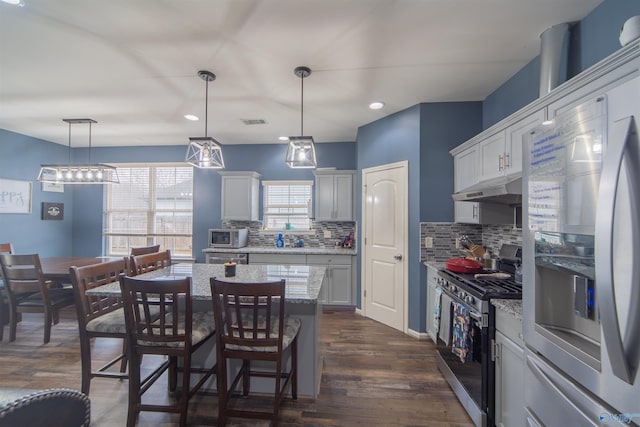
(428, 242)
(327, 234)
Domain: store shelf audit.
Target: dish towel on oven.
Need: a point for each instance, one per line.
(461, 339)
(436, 310)
(444, 333)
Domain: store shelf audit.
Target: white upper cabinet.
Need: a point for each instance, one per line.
(492, 156)
(514, 143)
(501, 153)
(465, 168)
(240, 195)
(334, 195)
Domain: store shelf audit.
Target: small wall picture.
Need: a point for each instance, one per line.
(52, 211)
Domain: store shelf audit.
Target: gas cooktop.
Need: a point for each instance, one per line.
(485, 287)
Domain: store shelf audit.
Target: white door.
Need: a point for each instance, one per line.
(385, 273)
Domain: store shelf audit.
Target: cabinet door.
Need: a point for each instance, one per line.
(343, 197)
(466, 212)
(515, 134)
(323, 296)
(239, 198)
(465, 168)
(509, 393)
(340, 284)
(431, 299)
(492, 156)
(324, 197)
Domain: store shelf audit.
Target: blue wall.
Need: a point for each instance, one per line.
(423, 136)
(80, 234)
(591, 40)
(443, 126)
(20, 158)
(393, 139)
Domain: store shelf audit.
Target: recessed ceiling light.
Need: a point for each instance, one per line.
(376, 105)
(283, 138)
(14, 2)
(191, 117)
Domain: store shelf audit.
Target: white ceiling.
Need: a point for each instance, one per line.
(132, 65)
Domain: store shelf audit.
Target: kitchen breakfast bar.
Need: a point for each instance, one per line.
(303, 285)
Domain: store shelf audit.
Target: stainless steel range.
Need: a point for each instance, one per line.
(466, 335)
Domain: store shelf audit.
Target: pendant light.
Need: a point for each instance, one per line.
(79, 174)
(204, 151)
(301, 150)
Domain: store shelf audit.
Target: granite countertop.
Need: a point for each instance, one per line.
(288, 251)
(509, 306)
(303, 282)
(438, 265)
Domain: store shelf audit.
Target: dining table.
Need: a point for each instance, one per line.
(302, 287)
(56, 269)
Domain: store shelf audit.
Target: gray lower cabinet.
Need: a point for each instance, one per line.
(510, 371)
(277, 259)
(337, 287)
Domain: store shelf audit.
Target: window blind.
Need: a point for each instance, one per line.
(287, 202)
(151, 205)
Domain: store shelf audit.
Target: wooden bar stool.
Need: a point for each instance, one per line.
(144, 250)
(5, 248)
(99, 317)
(175, 332)
(150, 262)
(251, 325)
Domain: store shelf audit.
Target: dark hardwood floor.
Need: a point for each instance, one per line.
(372, 375)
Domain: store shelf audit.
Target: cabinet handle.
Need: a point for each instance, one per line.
(500, 164)
(474, 212)
(506, 161)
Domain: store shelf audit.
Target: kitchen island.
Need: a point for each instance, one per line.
(303, 285)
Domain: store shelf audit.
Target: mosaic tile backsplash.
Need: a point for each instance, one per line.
(259, 237)
(444, 236)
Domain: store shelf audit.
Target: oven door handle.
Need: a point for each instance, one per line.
(482, 319)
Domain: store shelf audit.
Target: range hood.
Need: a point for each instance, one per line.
(506, 191)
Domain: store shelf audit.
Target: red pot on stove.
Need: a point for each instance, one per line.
(463, 265)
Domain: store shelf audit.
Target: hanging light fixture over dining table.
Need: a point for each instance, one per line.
(89, 173)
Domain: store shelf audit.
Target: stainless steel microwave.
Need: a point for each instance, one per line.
(228, 237)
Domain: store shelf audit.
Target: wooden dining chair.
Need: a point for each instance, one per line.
(176, 332)
(29, 292)
(99, 317)
(5, 248)
(251, 325)
(143, 250)
(150, 262)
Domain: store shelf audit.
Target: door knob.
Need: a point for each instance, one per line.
(398, 257)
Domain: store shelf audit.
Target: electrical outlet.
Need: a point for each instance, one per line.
(458, 244)
(327, 234)
(428, 242)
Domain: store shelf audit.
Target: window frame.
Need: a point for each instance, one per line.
(151, 212)
(266, 205)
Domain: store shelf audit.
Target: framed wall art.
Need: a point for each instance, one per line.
(15, 196)
(52, 211)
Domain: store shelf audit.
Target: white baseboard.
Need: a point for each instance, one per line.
(358, 311)
(418, 335)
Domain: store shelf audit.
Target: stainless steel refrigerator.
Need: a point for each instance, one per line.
(581, 263)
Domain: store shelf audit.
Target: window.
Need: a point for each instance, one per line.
(151, 205)
(287, 202)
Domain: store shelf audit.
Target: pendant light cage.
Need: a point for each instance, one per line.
(90, 173)
(205, 152)
(301, 150)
